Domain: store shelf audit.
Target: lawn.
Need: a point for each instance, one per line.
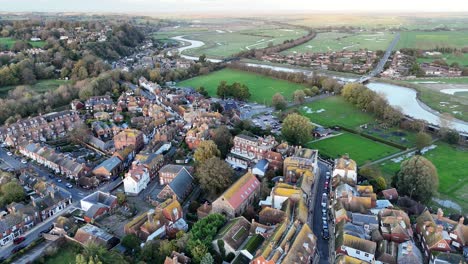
(8, 42)
(67, 255)
(334, 111)
(334, 41)
(261, 87)
(40, 87)
(451, 166)
(458, 80)
(432, 40)
(359, 148)
(449, 58)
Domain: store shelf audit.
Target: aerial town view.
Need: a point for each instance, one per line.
(233, 131)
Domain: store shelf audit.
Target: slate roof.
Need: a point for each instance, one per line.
(181, 183)
(109, 164)
(408, 253)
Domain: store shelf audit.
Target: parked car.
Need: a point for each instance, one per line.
(324, 200)
(18, 240)
(69, 186)
(51, 176)
(9, 153)
(325, 225)
(18, 248)
(24, 161)
(59, 180)
(325, 234)
(328, 175)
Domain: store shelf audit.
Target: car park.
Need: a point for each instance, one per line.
(18, 240)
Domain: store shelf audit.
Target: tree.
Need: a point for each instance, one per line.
(206, 150)
(201, 90)
(299, 97)
(418, 178)
(223, 139)
(214, 175)
(202, 58)
(131, 243)
(202, 234)
(12, 192)
(422, 140)
(278, 102)
(121, 198)
(207, 259)
(79, 134)
(451, 136)
(297, 129)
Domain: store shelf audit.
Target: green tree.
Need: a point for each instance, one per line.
(205, 150)
(12, 192)
(297, 129)
(299, 96)
(418, 178)
(166, 247)
(223, 139)
(214, 175)
(278, 101)
(422, 140)
(207, 259)
(131, 243)
(201, 90)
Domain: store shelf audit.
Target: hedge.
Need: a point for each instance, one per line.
(253, 243)
(393, 144)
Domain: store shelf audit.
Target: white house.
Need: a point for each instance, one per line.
(136, 179)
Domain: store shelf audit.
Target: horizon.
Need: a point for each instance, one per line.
(149, 7)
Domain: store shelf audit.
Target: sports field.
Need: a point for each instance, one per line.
(334, 41)
(432, 40)
(359, 148)
(451, 166)
(261, 87)
(8, 42)
(40, 87)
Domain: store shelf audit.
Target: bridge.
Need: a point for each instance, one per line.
(379, 68)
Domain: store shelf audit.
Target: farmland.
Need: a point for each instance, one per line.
(450, 163)
(40, 87)
(9, 42)
(334, 41)
(450, 58)
(432, 40)
(261, 87)
(359, 148)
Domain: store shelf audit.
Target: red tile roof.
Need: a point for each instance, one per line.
(241, 190)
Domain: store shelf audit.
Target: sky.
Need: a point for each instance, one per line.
(232, 6)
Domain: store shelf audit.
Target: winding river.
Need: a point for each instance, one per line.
(398, 96)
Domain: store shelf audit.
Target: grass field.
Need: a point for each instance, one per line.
(336, 112)
(431, 40)
(40, 87)
(359, 148)
(261, 87)
(334, 41)
(66, 255)
(8, 42)
(459, 80)
(464, 94)
(449, 58)
(451, 166)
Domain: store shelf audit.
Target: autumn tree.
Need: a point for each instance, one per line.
(205, 150)
(214, 175)
(299, 96)
(297, 129)
(417, 178)
(12, 192)
(422, 140)
(278, 102)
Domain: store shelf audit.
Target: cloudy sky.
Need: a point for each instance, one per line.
(232, 6)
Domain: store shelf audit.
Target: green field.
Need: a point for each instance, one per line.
(339, 112)
(449, 58)
(432, 40)
(8, 42)
(334, 41)
(451, 166)
(40, 87)
(458, 80)
(464, 94)
(359, 148)
(261, 87)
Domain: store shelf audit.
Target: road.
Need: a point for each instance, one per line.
(33, 233)
(316, 213)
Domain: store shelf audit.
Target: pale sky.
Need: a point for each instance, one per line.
(232, 6)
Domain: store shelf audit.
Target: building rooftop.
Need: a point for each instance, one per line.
(241, 190)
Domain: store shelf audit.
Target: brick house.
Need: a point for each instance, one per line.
(97, 204)
(168, 172)
(234, 201)
(395, 225)
(129, 137)
(109, 168)
(432, 236)
(275, 160)
(181, 186)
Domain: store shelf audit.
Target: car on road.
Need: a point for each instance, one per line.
(59, 180)
(24, 161)
(69, 186)
(18, 248)
(18, 240)
(325, 225)
(325, 234)
(324, 200)
(46, 230)
(9, 153)
(328, 175)
(326, 184)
